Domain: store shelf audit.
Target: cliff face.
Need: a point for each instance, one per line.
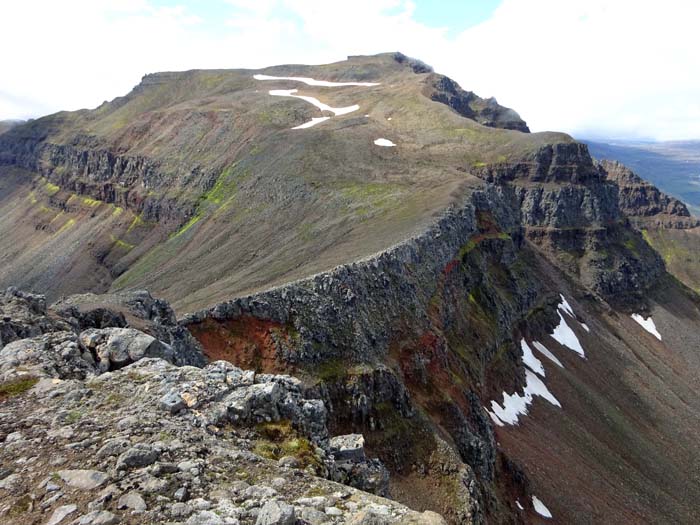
(92, 170)
(444, 310)
(644, 203)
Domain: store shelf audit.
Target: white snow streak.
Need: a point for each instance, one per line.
(545, 352)
(585, 327)
(312, 82)
(316, 102)
(530, 360)
(566, 336)
(384, 142)
(540, 508)
(517, 504)
(312, 122)
(648, 325)
(515, 405)
(564, 305)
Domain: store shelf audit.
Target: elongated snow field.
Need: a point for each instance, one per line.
(515, 405)
(540, 508)
(565, 336)
(530, 360)
(648, 325)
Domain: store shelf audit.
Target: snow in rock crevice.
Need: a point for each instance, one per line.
(530, 360)
(540, 508)
(311, 123)
(384, 142)
(515, 405)
(545, 352)
(313, 82)
(565, 336)
(564, 305)
(647, 324)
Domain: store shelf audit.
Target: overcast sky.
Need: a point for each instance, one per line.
(593, 68)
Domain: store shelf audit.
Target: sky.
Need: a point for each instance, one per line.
(615, 69)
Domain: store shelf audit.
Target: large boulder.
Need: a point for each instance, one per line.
(134, 309)
(118, 347)
(56, 354)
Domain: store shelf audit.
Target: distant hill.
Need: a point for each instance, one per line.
(672, 166)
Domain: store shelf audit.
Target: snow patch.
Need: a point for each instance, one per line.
(545, 352)
(384, 142)
(312, 82)
(515, 405)
(530, 360)
(312, 100)
(540, 508)
(564, 305)
(585, 327)
(517, 504)
(565, 336)
(316, 102)
(312, 122)
(648, 325)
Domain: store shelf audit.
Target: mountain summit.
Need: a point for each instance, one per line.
(476, 324)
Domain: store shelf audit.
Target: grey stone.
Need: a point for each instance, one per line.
(60, 513)
(349, 447)
(133, 501)
(117, 347)
(366, 517)
(83, 479)
(139, 455)
(98, 517)
(11, 483)
(113, 447)
(172, 402)
(276, 513)
(180, 510)
(181, 494)
(313, 516)
(205, 517)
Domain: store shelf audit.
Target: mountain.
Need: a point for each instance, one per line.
(381, 262)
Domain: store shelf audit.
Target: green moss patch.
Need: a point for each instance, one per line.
(16, 387)
(280, 439)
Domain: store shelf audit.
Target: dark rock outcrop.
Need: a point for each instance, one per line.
(644, 203)
(23, 315)
(484, 111)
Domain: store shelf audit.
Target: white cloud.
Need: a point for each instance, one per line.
(624, 68)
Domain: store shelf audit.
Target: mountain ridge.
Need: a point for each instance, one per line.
(476, 300)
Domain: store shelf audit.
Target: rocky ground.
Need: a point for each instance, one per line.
(99, 426)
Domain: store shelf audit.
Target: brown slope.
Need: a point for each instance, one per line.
(248, 202)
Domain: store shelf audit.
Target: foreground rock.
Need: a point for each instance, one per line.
(96, 431)
(88, 334)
